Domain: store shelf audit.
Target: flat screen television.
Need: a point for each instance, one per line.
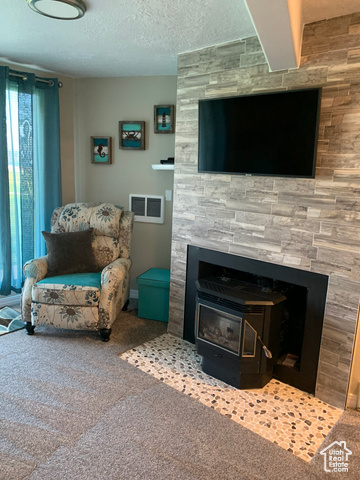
(271, 134)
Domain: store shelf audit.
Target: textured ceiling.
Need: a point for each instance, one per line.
(137, 37)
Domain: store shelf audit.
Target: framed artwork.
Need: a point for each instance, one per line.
(164, 119)
(101, 150)
(132, 135)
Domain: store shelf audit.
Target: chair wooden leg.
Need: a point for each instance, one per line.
(105, 334)
(29, 328)
(125, 307)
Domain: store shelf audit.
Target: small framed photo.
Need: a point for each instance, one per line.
(164, 119)
(132, 135)
(101, 150)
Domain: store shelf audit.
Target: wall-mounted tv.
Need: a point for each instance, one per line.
(271, 134)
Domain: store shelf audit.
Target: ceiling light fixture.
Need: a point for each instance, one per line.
(60, 9)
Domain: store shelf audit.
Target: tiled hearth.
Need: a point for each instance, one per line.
(288, 417)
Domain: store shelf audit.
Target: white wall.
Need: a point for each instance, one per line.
(99, 105)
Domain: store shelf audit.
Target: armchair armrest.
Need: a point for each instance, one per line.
(115, 282)
(36, 268)
(34, 271)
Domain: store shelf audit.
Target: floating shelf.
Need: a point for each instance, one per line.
(162, 167)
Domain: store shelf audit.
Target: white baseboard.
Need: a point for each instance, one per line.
(134, 293)
(352, 401)
(10, 300)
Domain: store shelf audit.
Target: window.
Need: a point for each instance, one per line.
(20, 180)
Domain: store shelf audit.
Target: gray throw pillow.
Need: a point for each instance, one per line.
(70, 252)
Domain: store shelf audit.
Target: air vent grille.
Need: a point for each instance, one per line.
(215, 287)
(147, 208)
(154, 207)
(138, 205)
(255, 309)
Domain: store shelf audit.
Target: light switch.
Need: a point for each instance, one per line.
(168, 195)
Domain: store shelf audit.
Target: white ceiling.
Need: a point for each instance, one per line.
(132, 38)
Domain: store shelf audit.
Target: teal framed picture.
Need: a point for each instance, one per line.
(164, 119)
(101, 150)
(132, 135)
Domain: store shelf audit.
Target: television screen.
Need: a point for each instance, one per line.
(263, 134)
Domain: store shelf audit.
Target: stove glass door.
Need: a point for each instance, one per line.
(219, 328)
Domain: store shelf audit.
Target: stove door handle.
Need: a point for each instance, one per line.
(267, 352)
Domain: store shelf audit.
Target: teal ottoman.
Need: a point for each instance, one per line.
(154, 287)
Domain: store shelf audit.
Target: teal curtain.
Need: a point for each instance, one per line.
(30, 181)
(47, 168)
(5, 238)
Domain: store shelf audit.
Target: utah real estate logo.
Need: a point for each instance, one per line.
(336, 457)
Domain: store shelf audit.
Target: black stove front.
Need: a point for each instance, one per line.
(237, 330)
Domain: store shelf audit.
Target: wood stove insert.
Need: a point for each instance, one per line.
(302, 314)
(237, 330)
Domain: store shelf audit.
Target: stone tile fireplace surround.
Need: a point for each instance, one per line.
(307, 224)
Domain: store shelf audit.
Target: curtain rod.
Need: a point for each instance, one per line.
(24, 77)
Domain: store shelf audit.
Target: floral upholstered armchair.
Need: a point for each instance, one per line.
(83, 282)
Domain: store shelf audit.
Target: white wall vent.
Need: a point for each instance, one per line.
(147, 208)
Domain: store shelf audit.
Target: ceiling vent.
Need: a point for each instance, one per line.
(147, 208)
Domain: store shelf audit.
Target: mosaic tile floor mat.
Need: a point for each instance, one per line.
(288, 417)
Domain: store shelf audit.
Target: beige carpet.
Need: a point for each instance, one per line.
(284, 415)
(70, 408)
